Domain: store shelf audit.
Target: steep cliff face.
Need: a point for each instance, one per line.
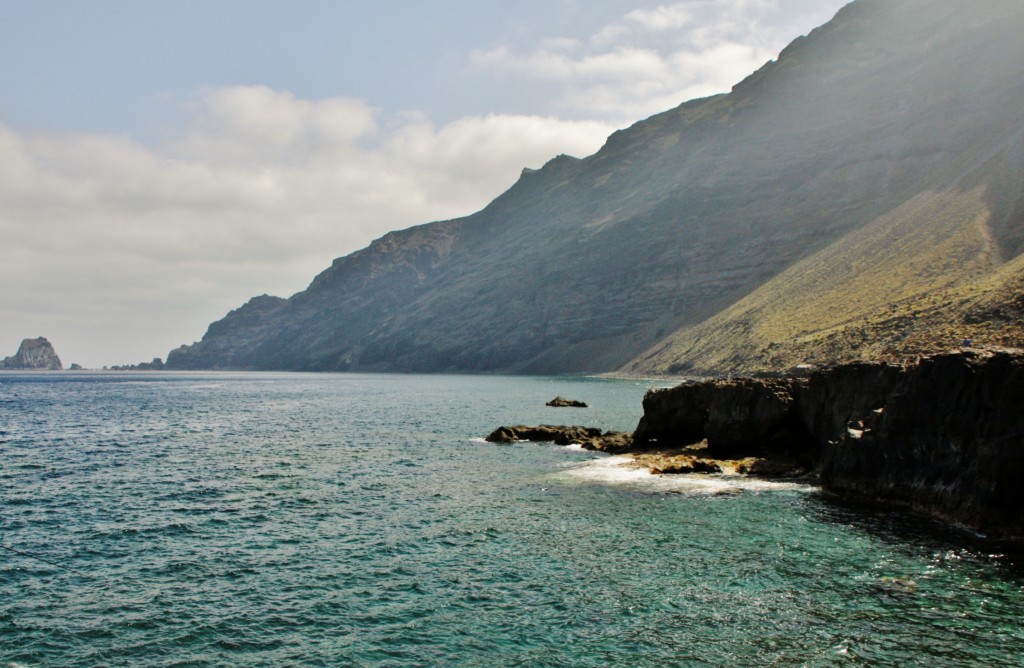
(870, 176)
(945, 435)
(37, 354)
(949, 439)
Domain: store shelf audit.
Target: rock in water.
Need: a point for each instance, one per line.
(590, 438)
(35, 354)
(562, 402)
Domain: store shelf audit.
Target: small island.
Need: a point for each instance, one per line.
(33, 355)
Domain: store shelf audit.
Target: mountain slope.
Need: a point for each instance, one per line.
(875, 164)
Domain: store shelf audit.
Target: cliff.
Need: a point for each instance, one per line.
(860, 197)
(944, 435)
(33, 354)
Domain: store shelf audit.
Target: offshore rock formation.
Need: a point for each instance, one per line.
(156, 365)
(944, 435)
(562, 402)
(860, 197)
(590, 438)
(33, 354)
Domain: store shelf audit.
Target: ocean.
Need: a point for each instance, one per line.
(258, 519)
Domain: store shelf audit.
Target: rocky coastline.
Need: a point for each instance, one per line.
(943, 435)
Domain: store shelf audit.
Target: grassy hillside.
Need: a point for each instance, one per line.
(918, 279)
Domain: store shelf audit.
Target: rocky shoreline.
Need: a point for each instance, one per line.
(944, 435)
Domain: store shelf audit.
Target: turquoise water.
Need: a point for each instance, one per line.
(357, 520)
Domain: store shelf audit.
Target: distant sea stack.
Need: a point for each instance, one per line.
(861, 197)
(33, 354)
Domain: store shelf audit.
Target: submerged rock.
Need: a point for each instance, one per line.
(34, 354)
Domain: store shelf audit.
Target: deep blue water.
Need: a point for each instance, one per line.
(357, 520)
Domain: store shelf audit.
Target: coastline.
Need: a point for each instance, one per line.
(943, 436)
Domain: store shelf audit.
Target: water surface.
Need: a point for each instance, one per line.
(357, 520)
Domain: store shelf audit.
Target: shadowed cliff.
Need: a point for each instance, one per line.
(860, 196)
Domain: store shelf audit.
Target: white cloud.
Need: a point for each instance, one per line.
(104, 234)
(663, 17)
(621, 64)
(654, 58)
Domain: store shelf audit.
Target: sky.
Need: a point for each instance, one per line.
(162, 163)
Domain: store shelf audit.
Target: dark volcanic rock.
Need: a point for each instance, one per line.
(562, 402)
(754, 417)
(740, 417)
(948, 439)
(35, 354)
(590, 438)
(559, 434)
(612, 442)
(945, 435)
(675, 416)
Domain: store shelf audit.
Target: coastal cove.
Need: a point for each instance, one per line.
(355, 519)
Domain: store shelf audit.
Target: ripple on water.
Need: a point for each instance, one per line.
(288, 519)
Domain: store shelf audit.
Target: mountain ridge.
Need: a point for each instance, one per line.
(649, 255)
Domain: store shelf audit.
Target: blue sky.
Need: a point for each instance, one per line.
(160, 163)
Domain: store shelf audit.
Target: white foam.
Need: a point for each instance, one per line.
(621, 471)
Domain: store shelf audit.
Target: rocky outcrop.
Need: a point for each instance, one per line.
(944, 435)
(590, 438)
(562, 402)
(34, 354)
(156, 365)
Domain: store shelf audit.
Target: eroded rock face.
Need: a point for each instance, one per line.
(948, 439)
(945, 435)
(675, 416)
(34, 354)
(750, 411)
(739, 417)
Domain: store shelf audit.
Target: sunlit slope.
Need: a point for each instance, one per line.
(920, 278)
